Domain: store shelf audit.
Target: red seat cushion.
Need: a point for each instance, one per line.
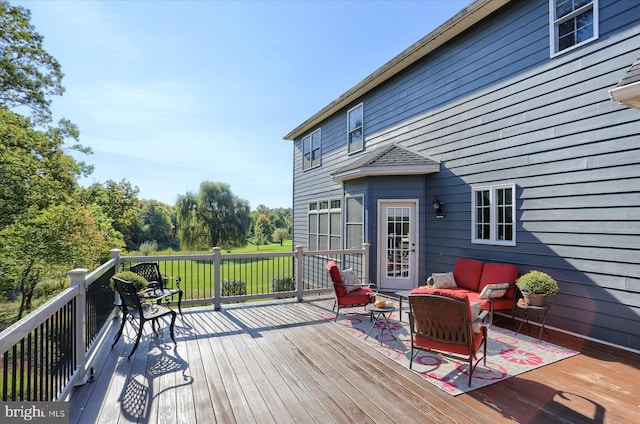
(467, 273)
(359, 296)
(493, 273)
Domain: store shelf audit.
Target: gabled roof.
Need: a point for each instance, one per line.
(627, 92)
(463, 20)
(390, 160)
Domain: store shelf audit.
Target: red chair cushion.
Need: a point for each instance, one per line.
(493, 273)
(357, 297)
(454, 294)
(467, 273)
(336, 277)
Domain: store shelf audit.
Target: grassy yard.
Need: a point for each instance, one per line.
(196, 277)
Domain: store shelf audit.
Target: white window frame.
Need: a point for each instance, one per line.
(347, 224)
(555, 22)
(493, 223)
(331, 208)
(360, 128)
(308, 150)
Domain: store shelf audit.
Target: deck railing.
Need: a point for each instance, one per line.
(48, 352)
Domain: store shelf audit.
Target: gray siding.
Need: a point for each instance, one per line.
(494, 108)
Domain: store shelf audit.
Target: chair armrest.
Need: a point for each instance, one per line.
(430, 281)
(480, 318)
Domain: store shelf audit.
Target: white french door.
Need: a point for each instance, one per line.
(397, 252)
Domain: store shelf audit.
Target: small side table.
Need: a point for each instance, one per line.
(542, 314)
(382, 315)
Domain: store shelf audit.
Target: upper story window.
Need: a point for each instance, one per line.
(355, 129)
(311, 150)
(493, 218)
(572, 23)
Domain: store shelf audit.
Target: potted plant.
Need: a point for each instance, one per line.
(535, 286)
(138, 281)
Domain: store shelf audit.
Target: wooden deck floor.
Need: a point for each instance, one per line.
(281, 362)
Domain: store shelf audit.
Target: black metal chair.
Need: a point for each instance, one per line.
(157, 289)
(134, 310)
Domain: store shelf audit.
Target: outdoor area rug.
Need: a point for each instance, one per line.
(508, 354)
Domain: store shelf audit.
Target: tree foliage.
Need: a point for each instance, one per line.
(29, 75)
(213, 217)
(49, 242)
(155, 222)
(119, 202)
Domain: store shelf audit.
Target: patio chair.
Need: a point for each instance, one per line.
(156, 289)
(134, 310)
(441, 321)
(348, 295)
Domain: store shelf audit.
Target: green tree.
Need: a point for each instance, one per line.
(28, 74)
(35, 169)
(262, 227)
(119, 201)
(49, 242)
(213, 217)
(155, 221)
(280, 235)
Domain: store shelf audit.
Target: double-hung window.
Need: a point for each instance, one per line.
(493, 218)
(325, 219)
(354, 222)
(311, 150)
(355, 127)
(571, 23)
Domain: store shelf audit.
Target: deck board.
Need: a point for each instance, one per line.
(285, 362)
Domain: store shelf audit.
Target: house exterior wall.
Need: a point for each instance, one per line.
(494, 108)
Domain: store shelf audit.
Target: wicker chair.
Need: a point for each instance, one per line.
(348, 295)
(441, 322)
(157, 289)
(134, 310)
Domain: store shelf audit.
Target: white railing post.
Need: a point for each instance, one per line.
(115, 254)
(299, 272)
(78, 278)
(365, 262)
(217, 283)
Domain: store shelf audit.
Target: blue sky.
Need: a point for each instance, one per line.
(171, 93)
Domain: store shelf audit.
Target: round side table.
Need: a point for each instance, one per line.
(542, 315)
(382, 315)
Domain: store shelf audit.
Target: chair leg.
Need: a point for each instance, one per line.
(135, 346)
(180, 302)
(337, 313)
(124, 318)
(173, 321)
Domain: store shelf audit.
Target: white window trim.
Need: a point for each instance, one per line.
(310, 137)
(493, 215)
(346, 223)
(361, 105)
(553, 26)
(329, 210)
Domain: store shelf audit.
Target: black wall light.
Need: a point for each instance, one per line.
(438, 206)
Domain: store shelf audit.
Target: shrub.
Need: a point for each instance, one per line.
(138, 282)
(537, 282)
(234, 288)
(282, 283)
(148, 247)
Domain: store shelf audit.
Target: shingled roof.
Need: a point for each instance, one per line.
(627, 92)
(389, 160)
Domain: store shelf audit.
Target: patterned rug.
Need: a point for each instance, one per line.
(508, 354)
